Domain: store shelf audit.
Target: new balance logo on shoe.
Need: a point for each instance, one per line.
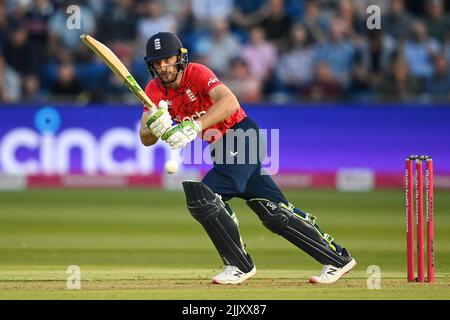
(331, 274)
(232, 275)
(332, 271)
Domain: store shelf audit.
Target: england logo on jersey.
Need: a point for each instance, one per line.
(191, 95)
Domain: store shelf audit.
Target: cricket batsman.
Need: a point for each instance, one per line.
(199, 103)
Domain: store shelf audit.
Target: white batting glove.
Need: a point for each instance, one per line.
(180, 135)
(160, 120)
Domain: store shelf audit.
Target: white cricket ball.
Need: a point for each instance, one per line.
(171, 166)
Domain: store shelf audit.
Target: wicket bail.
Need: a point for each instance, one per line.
(429, 193)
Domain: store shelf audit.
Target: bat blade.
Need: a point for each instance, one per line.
(114, 63)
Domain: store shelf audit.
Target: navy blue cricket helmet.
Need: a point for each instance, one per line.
(163, 45)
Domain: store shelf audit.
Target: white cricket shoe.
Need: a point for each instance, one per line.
(331, 274)
(232, 275)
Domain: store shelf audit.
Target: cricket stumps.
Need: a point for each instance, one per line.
(410, 183)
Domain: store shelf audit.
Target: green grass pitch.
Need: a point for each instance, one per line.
(143, 244)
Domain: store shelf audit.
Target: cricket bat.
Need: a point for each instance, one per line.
(114, 63)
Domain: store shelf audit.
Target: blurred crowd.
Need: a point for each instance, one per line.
(275, 51)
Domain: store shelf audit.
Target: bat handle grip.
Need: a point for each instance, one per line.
(150, 108)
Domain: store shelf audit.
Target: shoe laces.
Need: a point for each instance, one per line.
(324, 269)
(229, 270)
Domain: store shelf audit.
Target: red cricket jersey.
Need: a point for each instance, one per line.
(191, 100)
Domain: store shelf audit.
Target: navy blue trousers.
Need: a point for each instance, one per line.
(238, 175)
(242, 177)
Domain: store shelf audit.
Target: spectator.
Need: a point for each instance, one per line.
(189, 30)
(3, 27)
(397, 23)
(259, 55)
(338, 51)
(240, 80)
(398, 85)
(50, 72)
(377, 54)
(17, 50)
(437, 22)
(419, 51)
(17, 9)
(315, 21)
(295, 8)
(324, 86)
(177, 8)
(306, 40)
(296, 66)
(31, 89)
(68, 37)
(36, 20)
(9, 83)
(119, 23)
(355, 26)
(246, 14)
(66, 84)
(438, 87)
(206, 12)
(155, 20)
(275, 23)
(185, 21)
(99, 7)
(446, 47)
(360, 88)
(219, 47)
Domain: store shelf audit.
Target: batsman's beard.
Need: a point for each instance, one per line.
(168, 77)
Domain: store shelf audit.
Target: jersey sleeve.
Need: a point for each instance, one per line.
(206, 79)
(152, 91)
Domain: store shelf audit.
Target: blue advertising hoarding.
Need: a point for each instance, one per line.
(104, 139)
